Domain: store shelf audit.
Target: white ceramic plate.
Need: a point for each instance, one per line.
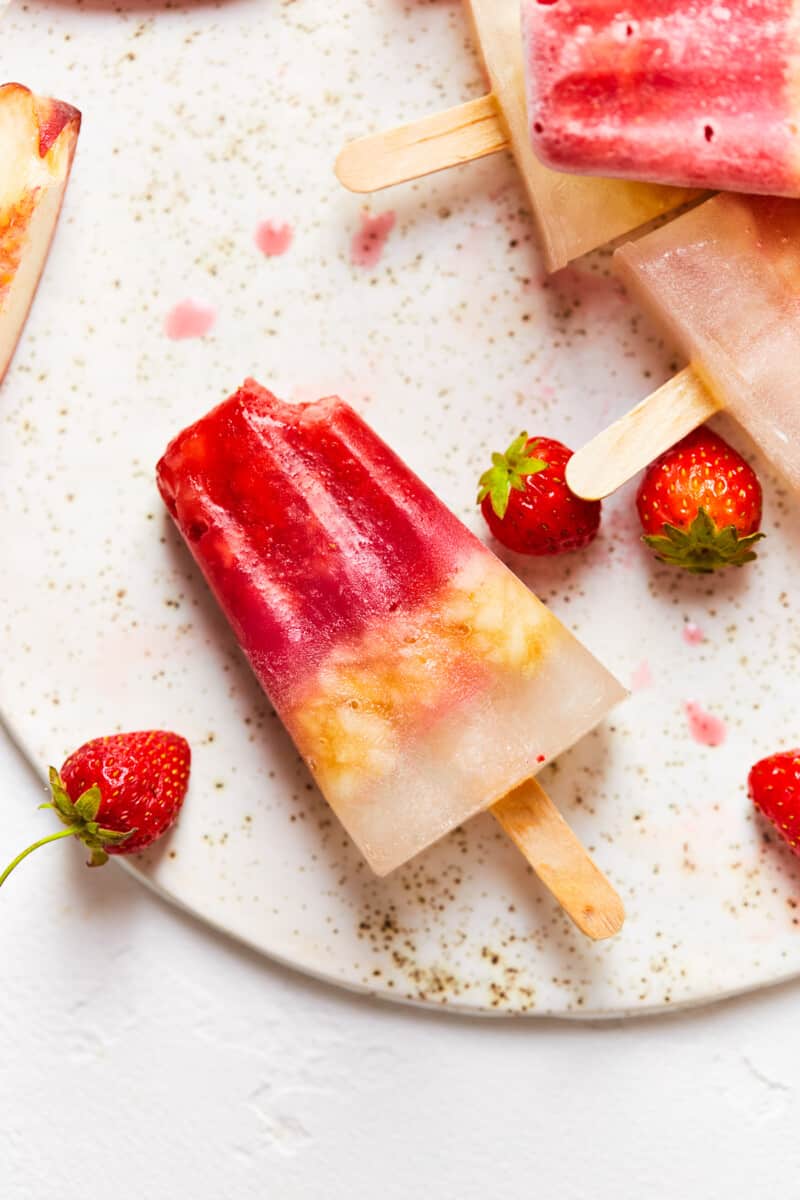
(200, 122)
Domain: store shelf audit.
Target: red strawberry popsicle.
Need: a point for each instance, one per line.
(419, 678)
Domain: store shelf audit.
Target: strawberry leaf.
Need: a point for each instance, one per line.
(495, 484)
(703, 548)
(61, 802)
(113, 837)
(88, 804)
(508, 471)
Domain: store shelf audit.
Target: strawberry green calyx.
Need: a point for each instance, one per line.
(506, 472)
(81, 815)
(703, 548)
(80, 819)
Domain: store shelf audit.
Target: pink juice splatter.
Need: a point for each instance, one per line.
(273, 239)
(705, 728)
(189, 319)
(693, 635)
(642, 677)
(367, 245)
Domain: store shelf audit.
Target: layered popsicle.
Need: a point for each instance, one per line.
(724, 280)
(700, 93)
(420, 679)
(37, 143)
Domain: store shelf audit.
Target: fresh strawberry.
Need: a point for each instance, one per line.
(118, 794)
(700, 505)
(774, 786)
(527, 504)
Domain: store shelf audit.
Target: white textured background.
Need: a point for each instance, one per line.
(144, 1057)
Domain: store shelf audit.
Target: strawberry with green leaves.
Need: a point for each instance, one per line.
(117, 794)
(527, 504)
(700, 505)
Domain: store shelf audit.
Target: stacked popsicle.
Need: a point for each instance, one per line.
(420, 679)
(701, 94)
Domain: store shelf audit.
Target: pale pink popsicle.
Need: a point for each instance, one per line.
(724, 279)
(701, 93)
(419, 678)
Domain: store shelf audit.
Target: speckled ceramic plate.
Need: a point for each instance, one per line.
(203, 199)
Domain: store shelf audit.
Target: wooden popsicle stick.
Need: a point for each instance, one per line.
(433, 143)
(536, 827)
(619, 452)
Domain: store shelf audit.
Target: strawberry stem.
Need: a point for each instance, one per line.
(53, 837)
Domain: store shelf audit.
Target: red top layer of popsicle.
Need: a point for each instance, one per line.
(692, 92)
(306, 526)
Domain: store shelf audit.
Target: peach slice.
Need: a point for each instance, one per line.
(37, 144)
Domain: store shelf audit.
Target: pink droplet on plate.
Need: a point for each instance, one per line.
(704, 727)
(189, 319)
(272, 238)
(367, 245)
(642, 677)
(693, 635)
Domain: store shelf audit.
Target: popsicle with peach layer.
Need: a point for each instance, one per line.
(420, 679)
(37, 143)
